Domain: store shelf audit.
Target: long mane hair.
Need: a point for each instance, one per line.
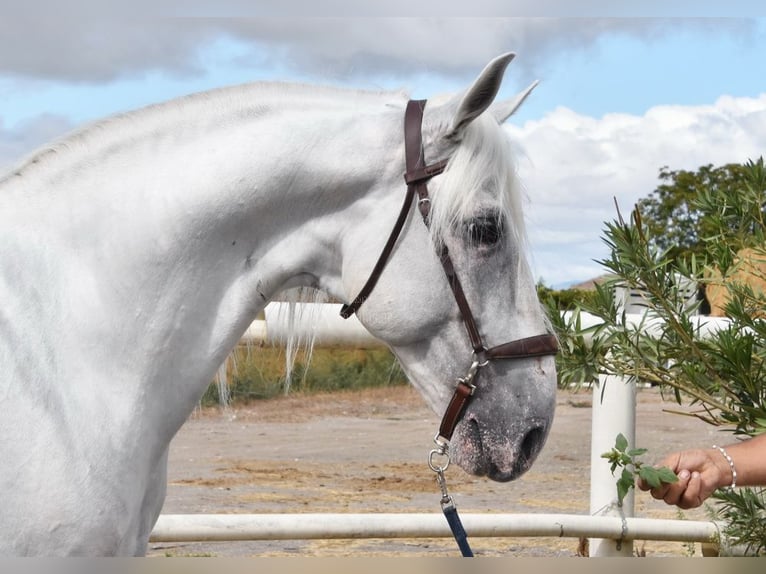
(483, 160)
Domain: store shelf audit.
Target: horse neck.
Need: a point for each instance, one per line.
(173, 227)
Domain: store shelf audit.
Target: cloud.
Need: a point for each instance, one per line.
(96, 49)
(103, 46)
(574, 167)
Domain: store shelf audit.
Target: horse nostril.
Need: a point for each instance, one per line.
(532, 443)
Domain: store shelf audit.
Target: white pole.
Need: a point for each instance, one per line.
(232, 527)
(322, 321)
(613, 412)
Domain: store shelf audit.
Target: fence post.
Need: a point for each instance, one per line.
(614, 412)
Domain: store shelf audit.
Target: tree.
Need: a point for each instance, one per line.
(723, 373)
(673, 220)
(561, 299)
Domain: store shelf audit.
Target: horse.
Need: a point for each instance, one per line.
(136, 251)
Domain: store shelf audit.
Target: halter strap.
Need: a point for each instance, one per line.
(416, 176)
(347, 310)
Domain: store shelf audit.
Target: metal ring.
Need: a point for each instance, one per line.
(481, 353)
(432, 464)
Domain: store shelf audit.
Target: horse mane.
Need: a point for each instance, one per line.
(482, 161)
(301, 333)
(300, 336)
(230, 103)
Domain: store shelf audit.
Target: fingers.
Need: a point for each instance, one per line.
(686, 493)
(672, 493)
(672, 462)
(692, 496)
(698, 477)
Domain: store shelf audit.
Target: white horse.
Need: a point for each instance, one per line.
(135, 253)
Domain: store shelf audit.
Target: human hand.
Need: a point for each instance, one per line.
(700, 472)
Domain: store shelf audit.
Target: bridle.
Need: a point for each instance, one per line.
(416, 177)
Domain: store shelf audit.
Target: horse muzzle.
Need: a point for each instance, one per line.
(501, 454)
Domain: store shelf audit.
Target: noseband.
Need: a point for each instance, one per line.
(416, 177)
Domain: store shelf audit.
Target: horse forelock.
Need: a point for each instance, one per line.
(481, 174)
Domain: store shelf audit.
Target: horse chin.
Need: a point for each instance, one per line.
(499, 458)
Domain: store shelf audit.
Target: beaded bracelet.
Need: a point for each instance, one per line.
(731, 465)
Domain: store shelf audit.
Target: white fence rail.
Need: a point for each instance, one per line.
(611, 530)
(325, 526)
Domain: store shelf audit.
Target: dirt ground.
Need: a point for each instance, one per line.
(366, 452)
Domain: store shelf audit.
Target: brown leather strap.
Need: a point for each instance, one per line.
(425, 173)
(455, 409)
(347, 310)
(537, 346)
(416, 179)
(477, 344)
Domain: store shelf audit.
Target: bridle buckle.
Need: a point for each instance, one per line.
(468, 379)
(478, 361)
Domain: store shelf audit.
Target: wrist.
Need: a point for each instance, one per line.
(729, 470)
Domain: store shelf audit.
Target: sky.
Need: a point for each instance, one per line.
(621, 93)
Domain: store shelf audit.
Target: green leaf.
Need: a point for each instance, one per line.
(637, 452)
(621, 443)
(666, 475)
(624, 484)
(650, 476)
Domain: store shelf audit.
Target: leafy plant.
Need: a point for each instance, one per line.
(719, 368)
(627, 459)
(744, 513)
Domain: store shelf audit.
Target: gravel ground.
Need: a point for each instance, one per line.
(365, 452)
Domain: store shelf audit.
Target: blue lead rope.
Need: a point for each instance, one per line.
(441, 454)
(450, 512)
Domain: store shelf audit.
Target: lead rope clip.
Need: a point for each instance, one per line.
(447, 503)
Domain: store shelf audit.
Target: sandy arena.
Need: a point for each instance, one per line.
(366, 452)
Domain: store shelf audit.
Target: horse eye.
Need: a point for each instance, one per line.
(485, 230)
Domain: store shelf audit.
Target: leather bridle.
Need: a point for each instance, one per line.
(416, 177)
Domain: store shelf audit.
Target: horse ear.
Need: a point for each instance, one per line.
(480, 95)
(504, 110)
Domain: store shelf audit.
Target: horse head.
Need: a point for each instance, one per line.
(473, 213)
